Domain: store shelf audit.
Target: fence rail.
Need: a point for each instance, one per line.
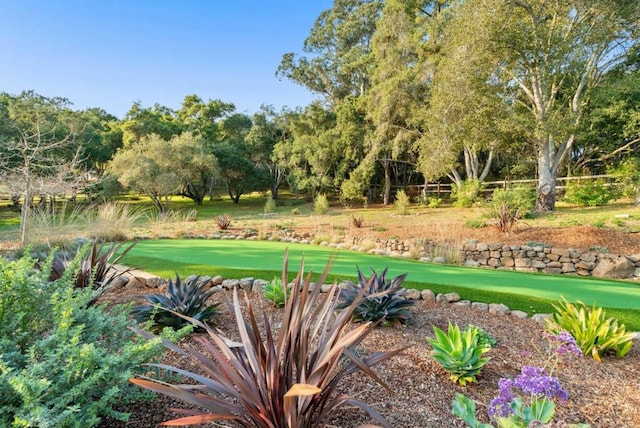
(489, 186)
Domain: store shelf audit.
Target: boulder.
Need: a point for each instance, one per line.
(499, 309)
(614, 266)
(428, 295)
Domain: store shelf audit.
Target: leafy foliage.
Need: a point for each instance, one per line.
(183, 299)
(382, 299)
(63, 362)
(460, 353)
(276, 292)
(466, 195)
(402, 203)
(595, 334)
(321, 204)
(267, 380)
(590, 194)
(507, 206)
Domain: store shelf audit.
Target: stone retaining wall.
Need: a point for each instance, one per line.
(551, 260)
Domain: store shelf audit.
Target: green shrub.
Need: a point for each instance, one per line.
(627, 174)
(434, 202)
(63, 362)
(269, 205)
(275, 292)
(466, 195)
(402, 203)
(274, 381)
(186, 298)
(321, 204)
(475, 223)
(460, 353)
(382, 299)
(591, 194)
(507, 206)
(595, 334)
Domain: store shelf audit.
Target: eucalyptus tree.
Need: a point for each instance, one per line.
(553, 54)
(310, 154)
(338, 62)
(464, 123)
(611, 131)
(401, 49)
(268, 129)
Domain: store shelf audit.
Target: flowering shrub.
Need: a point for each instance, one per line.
(527, 400)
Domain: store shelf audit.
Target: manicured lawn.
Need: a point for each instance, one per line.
(518, 290)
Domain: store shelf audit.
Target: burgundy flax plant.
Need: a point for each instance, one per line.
(272, 379)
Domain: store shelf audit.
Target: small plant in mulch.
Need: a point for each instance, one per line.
(357, 222)
(223, 221)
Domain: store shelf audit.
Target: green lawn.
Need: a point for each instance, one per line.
(518, 290)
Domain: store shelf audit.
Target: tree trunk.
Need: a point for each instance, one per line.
(546, 191)
(386, 199)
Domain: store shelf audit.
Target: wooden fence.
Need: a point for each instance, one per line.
(444, 189)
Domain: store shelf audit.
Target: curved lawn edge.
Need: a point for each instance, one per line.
(518, 290)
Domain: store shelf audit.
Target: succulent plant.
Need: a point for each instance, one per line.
(187, 298)
(275, 292)
(595, 333)
(382, 299)
(460, 353)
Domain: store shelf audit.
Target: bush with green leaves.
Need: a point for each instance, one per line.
(382, 298)
(269, 205)
(507, 206)
(321, 204)
(63, 362)
(590, 194)
(275, 377)
(595, 334)
(465, 196)
(460, 353)
(627, 174)
(275, 292)
(402, 203)
(183, 298)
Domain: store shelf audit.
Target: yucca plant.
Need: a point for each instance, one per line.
(595, 334)
(382, 300)
(276, 292)
(460, 353)
(272, 379)
(183, 299)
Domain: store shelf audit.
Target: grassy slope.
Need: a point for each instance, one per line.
(528, 292)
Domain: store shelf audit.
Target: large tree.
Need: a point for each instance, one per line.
(339, 63)
(160, 168)
(553, 53)
(38, 149)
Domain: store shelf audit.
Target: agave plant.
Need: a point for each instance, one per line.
(595, 334)
(272, 379)
(459, 353)
(183, 299)
(382, 300)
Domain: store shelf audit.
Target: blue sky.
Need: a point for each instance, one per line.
(111, 53)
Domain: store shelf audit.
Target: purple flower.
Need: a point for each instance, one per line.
(533, 382)
(566, 343)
